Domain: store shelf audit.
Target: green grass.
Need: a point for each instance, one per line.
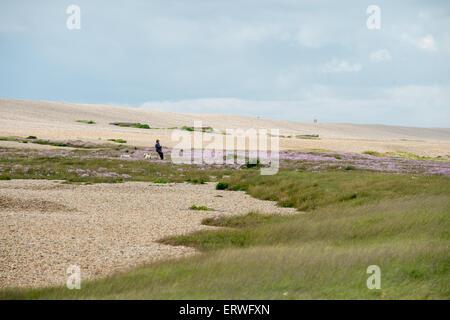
(222, 185)
(249, 220)
(200, 208)
(309, 190)
(141, 126)
(307, 137)
(61, 168)
(160, 181)
(405, 155)
(353, 219)
(118, 140)
(201, 180)
(203, 129)
(72, 144)
(252, 164)
(319, 255)
(187, 128)
(131, 125)
(86, 121)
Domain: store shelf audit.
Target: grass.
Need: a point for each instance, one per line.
(252, 164)
(310, 190)
(352, 219)
(201, 180)
(307, 137)
(249, 220)
(405, 155)
(131, 125)
(322, 255)
(200, 208)
(160, 181)
(187, 128)
(141, 126)
(222, 185)
(118, 140)
(63, 168)
(86, 121)
(72, 144)
(203, 129)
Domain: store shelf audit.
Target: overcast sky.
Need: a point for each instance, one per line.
(281, 59)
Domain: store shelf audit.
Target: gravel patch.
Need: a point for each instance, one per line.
(46, 226)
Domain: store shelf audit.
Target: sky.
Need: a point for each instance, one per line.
(280, 59)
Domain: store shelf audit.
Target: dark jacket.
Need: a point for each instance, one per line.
(158, 147)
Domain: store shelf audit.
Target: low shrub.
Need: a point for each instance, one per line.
(118, 140)
(252, 165)
(222, 186)
(200, 208)
(85, 121)
(160, 181)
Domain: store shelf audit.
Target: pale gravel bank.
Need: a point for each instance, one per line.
(57, 121)
(46, 226)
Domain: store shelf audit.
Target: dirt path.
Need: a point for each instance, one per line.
(46, 226)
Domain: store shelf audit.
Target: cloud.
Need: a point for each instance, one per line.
(403, 105)
(426, 42)
(182, 50)
(336, 66)
(307, 38)
(380, 55)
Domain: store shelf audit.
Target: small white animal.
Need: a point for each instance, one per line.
(124, 155)
(147, 156)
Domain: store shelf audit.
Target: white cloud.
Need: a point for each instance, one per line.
(336, 66)
(309, 39)
(380, 55)
(426, 42)
(405, 105)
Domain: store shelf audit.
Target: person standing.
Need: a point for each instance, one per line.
(159, 150)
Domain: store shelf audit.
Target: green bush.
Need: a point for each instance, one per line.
(131, 125)
(200, 180)
(86, 121)
(161, 181)
(222, 186)
(118, 140)
(252, 165)
(141, 126)
(201, 208)
(31, 137)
